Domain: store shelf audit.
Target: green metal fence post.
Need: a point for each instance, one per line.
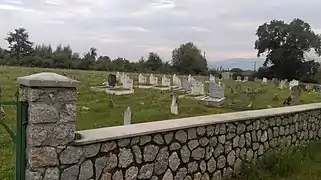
(24, 122)
(19, 151)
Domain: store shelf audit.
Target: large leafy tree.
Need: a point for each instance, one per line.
(285, 46)
(19, 44)
(153, 62)
(188, 59)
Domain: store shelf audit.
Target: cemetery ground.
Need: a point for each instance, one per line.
(96, 110)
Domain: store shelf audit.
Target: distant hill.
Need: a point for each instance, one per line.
(243, 63)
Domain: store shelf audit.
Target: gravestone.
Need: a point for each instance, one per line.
(295, 94)
(127, 116)
(153, 80)
(165, 81)
(282, 84)
(212, 78)
(264, 80)
(186, 85)
(128, 83)
(174, 105)
(216, 91)
(141, 79)
(197, 88)
(226, 75)
(118, 76)
(238, 78)
(293, 83)
(189, 78)
(112, 80)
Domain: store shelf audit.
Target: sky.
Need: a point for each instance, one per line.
(131, 28)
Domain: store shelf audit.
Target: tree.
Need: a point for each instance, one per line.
(285, 46)
(188, 59)
(154, 62)
(19, 44)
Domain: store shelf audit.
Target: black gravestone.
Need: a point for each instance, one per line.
(112, 81)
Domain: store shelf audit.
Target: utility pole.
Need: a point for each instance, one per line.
(254, 66)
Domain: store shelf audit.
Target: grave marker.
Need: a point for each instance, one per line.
(226, 75)
(112, 80)
(165, 81)
(141, 79)
(153, 80)
(127, 116)
(128, 83)
(197, 88)
(174, 105)
(216, 91)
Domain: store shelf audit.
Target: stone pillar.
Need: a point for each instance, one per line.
(51, 121)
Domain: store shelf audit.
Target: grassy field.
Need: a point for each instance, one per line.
(94, 110)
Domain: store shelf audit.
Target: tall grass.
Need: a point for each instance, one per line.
(302, 162)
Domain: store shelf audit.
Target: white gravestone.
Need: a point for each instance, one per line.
(238, 78)
(142, 79)
(176, 81)
(212, 78)
(216, 91)
(118, 76)
(281, 84)
(226, 75)
(189, 78)
(174, 105)
(128, 83)
(197, 88)
(166, 81)
(186, 85)
(264, 80)
(153, 80)
(293, 83)
(127, 116)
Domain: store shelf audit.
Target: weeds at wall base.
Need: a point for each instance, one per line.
(286, 163)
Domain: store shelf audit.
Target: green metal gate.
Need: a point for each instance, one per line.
(19, 138)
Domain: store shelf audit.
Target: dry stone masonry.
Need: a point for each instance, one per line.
(204, 150)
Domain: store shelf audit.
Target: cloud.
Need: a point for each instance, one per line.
(132, 28)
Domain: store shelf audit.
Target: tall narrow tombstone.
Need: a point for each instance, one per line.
(112, 80)
(295, 94)
(174, 105)
(127, 116)
(118, 76)
(189, 78)
(212, 78)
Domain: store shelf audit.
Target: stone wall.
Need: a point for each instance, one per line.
(204, 147)
(204, 152)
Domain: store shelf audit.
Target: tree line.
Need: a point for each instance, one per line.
(187, 59)
(284, 46)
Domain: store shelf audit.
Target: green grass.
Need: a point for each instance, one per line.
(146, 104)
(300, 163)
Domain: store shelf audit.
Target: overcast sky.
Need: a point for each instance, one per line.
(132, 28)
